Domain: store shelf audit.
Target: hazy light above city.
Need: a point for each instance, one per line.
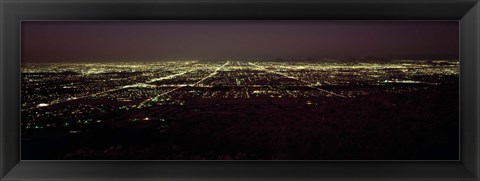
(110, 41)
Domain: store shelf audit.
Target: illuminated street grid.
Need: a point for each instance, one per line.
(248, 110)
(72, 93)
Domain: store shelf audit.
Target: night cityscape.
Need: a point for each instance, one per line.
(366, 108)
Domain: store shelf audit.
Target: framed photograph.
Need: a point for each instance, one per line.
(295, 90)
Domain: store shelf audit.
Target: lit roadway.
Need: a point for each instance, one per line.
(142, 104)
(290, 77)
(110, 90)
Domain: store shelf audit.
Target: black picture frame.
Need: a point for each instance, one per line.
(467, 12)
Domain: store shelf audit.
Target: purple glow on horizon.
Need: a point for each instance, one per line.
(105, 41)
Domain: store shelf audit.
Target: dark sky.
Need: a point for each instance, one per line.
(102, 41)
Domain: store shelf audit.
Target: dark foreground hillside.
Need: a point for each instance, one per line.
(380, 126)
